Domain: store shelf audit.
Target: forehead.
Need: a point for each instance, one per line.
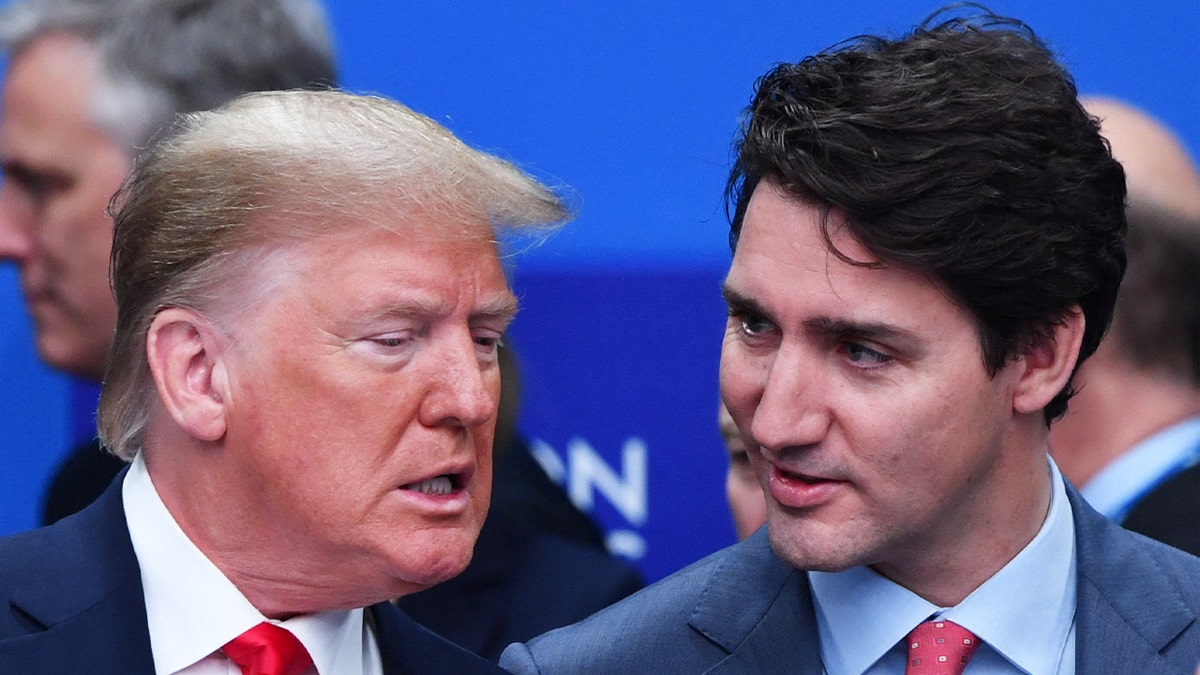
(780, 230)
(375, 256)
(784, 262)
(49, 81)
(46, 121)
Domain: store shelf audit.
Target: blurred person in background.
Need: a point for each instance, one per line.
(89, 83)
(1131, 439)
(747, 503)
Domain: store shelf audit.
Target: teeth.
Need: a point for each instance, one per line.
(440, 485)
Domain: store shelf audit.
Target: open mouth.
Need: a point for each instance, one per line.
(808, 480)
(438, 485)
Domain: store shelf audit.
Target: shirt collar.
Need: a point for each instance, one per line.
(1115, 489)
(862, 616)
(190, 621)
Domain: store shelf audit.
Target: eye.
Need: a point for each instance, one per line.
(39, 187)
(751, 325)
(864, 356)
(487, 343)
(391, 341)
(389, 345)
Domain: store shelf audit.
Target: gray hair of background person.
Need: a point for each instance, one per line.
(228, 187)
(1157, 319)
(163, 57)
(985, 172)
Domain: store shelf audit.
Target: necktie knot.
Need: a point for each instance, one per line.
(267, 649)
(939, 648)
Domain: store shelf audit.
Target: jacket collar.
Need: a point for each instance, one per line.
(1129, 607)
(84, 593)
(759, 609)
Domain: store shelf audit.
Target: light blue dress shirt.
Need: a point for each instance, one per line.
(1024, 615)
(1140, 469)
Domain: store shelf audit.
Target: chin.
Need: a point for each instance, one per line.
(811, 553)
(433, 564)
(63, 357)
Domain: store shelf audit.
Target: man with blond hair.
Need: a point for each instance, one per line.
(304, 376)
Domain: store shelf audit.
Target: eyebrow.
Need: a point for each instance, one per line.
(502, 307)
(741, 304)
(868, 330)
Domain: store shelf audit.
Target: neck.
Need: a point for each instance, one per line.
(1009, 508)
(282, 575)
(1114, 412)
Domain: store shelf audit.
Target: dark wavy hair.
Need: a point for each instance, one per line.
(959, 150)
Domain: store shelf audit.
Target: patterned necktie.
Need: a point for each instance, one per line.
(939, 648)
(267, 649)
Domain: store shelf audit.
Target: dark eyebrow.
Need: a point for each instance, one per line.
(741, 304)
(868, 331)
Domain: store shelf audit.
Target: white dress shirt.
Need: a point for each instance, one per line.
(193, 609)
(1024, 615)
(1140, 469)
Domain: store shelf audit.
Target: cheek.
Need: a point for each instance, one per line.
(740, 386)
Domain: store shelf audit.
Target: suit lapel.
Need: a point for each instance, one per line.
(83, 600)
(760, 610)
(1128, 609)
(407, 647)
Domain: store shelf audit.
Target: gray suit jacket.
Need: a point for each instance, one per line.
(743, 610)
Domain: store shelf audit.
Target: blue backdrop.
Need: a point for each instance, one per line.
(634, 106)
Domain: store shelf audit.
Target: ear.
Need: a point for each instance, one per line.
(183, 349)
(1048, 364)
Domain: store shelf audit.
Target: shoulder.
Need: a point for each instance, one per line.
(1138, 599)
(1106, 551)
(73, 596)
(674, 625)
(61, 558)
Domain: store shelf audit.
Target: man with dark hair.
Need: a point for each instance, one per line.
(928, 238)
(89, 83)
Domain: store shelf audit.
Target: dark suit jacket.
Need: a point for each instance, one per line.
(79, 480)
(520, 584)
(72, 602)
(743, 610)
(1170, 512)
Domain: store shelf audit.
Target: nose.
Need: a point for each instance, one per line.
(792, 408)
(463, 391)
(16, 225)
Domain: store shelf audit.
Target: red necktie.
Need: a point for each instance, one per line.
(267, 649)
(939, 648)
